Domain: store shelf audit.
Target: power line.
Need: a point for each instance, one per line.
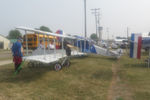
(96, 12)
(107, 33)
(85, 29)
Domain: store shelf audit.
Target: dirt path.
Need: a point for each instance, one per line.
(118, 90)
(5, 62)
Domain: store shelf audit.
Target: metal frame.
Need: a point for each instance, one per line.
(27, 53)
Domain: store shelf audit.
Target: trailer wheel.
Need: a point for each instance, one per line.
(57, 67)
(68, 63)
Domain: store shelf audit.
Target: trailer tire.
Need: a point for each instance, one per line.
(57, 67)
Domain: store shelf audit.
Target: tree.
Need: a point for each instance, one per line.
(94, 37)
(14, 34)
(44, 28)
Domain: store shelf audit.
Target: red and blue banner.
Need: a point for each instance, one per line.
(135, 46)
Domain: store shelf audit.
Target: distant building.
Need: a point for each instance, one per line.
(4, 43)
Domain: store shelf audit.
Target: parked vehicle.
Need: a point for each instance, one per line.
(146, 43)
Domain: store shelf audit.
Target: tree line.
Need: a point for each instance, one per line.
(14, 34)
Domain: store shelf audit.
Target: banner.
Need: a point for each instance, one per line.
(135, 46)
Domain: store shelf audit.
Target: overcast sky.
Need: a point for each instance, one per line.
(68, 15)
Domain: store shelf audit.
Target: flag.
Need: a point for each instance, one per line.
(135, 46)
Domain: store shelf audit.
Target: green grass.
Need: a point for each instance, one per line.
(86, 79)
(136, 74)
(119, 98)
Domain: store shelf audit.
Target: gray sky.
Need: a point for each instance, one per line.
(68, 15)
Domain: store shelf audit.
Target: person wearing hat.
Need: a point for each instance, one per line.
(17, 52)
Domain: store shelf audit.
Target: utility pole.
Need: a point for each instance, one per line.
(127, 46)
(85, 29)
(107, 33)
(96, 13)
(107, 37)
(99, 29)
(127, 33)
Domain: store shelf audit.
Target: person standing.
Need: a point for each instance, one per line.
(17, 52)
(67, 48)
(51, 45)
(41, 46)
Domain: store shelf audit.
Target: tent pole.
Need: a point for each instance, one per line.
(62, 48)
(26, 43)
(38, 40)
(44, 45)
(77, 46)
(48, 42)
(55, 48)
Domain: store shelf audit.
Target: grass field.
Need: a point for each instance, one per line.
(136, 75)
(88, 78)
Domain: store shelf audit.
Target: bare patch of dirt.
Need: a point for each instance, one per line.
(5, 62)
(4, 55)
(118, 90)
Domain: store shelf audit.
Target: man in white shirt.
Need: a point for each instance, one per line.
(51, 46)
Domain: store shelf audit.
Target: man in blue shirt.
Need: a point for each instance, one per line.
(17, 51)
